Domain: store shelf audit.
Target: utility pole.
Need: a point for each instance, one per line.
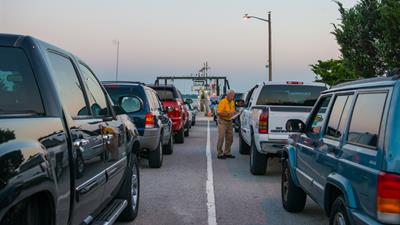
(269, 48)
(116, 67)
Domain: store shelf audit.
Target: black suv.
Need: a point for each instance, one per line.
(151, 120)
(66, 156)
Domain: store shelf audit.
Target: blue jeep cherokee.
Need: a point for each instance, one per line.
(346, 157)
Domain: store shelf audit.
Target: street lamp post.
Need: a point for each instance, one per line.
(246, 16)
(116, 42)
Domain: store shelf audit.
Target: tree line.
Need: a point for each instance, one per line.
(368, 35)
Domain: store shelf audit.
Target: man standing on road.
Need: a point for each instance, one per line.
(225, 111)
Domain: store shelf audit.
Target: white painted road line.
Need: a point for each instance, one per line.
(212, 214)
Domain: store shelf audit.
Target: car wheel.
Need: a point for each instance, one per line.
(244, 148)
(193, 122)
(293, 197)
(338, 212)
(258, 161)
(187, 130)
(179, 137)
(156, 157)
(169, 148)
(80, 165)
(237, 129)
(130, 191)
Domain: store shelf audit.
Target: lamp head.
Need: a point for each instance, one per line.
(246, 16)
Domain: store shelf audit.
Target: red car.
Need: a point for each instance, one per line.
(174, 105)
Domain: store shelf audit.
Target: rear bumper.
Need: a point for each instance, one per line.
(150, 139)
(266, 145)
(356, 218)
(177, 124)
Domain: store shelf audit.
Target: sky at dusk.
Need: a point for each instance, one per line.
(175, 37)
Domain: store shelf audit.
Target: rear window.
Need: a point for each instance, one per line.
(166, 93)
(19, 93)
(117, 91)
(289, 95)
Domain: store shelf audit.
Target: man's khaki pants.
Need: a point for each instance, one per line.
(225, 132)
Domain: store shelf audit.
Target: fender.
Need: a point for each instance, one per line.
(345, 186)
(291, 155)
(26, 171)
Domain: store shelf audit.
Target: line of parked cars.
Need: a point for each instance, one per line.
(69, 144)
(339, 146)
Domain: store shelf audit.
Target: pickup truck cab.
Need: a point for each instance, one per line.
(267, 108)
(66, 157)
(346, 157)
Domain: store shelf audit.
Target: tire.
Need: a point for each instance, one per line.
(244, 148)
(339, 214)
(179, 137)
(156, 157)
(193, 122)
(293, 197)
(168, 149)
(237, 129)
(258, 161)
(130, 191)
(187, 130)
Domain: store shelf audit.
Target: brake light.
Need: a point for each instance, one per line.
(295, 82)
(149, 123)
(388, 198)
(263, 123)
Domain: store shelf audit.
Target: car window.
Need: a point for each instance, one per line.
(338, 116)
(319, 115)
(291, 95)
(19, 93)
(97, 99)
(366, 119)
(68, 85)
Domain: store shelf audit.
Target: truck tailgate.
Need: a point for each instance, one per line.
(278, 116)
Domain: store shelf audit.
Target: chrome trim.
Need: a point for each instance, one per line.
(117, 212)
(304, 174)
(86, 183)
(114, 168)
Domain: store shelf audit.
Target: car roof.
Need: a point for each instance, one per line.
(365, 83)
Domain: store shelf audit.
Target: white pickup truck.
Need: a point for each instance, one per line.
(263, 120)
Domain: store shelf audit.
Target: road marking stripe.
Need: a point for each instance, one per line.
(212, 215)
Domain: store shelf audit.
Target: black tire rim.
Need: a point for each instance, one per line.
(134, 187)
(339, 219)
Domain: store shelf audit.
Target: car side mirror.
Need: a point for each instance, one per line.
(188, 101)
(168, 109)
(130, 104)
(239, 103)
(295, 125)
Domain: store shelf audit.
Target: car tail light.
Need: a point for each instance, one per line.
(295, 82)
(149, 123)
(263, 123)
(388, 198)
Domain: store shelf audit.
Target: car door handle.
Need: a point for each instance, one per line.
(80, 143)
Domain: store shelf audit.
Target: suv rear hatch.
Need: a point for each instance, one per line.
(118, 90)
(170, 98)
(287, 102)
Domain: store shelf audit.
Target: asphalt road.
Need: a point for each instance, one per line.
(176, 193)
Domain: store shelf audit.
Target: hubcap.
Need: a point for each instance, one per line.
(134, 187)
(339, 219)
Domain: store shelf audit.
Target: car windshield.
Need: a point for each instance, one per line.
(118, 91)
(289, 95)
